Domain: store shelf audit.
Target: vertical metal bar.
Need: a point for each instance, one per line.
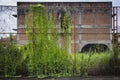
(114, 29)
(116, 20)
(113, 37)
(113, 23)
(115, 41)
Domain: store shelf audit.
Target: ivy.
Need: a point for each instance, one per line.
(46, 58)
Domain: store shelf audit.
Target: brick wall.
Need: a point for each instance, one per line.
(95, 34)
(92, 20)
(22, 35)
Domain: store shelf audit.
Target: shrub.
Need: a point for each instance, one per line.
(10, 58)
(93, 63)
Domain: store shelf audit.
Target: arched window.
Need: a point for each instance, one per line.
(95, 48)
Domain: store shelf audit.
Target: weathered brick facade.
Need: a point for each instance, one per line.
(92, 22)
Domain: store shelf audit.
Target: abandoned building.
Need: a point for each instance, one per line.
(92, 23)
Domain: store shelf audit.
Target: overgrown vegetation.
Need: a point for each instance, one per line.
(42, 57)
(45, 57)
(54, 64)
(93, 63)
(10, 58)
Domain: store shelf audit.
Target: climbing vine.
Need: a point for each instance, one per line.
(45, 56)
(66, 24)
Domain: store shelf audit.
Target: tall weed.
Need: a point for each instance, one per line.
(10, 58)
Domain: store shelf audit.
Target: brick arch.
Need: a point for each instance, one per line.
(95, 48)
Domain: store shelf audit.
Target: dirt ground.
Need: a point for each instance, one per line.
(67, 78)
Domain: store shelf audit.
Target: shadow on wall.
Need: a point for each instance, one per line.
(95, 48)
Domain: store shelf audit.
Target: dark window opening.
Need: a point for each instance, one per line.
(95, 48)
(61, 14)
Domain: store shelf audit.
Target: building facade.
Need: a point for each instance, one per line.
(92, 23)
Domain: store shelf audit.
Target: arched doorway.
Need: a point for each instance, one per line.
(95, 48)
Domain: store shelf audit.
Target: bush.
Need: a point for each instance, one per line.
(54, 62)
(93, 63)
(10, 58)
